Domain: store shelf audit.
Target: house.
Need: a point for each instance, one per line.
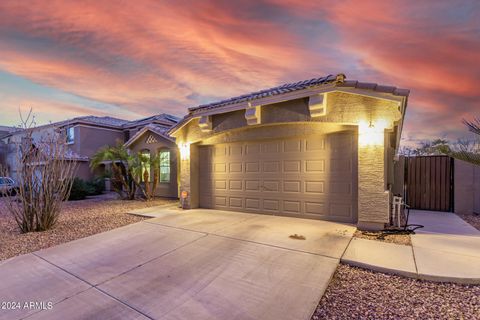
(86, 135)
(4, 130)
(322, 149)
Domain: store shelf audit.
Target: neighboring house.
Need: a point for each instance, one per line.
(86, 135)
(4, 130)
(322, 149)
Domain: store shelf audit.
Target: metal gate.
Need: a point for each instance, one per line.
(429, 182)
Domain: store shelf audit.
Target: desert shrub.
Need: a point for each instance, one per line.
(95, 186)
(80, 190)
(44, 168)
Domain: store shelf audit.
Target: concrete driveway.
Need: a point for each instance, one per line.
(196, 264)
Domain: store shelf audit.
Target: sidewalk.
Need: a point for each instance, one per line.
(447, 249)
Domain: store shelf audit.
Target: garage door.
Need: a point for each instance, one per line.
(309, 177)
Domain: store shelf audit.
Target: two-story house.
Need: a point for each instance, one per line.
(86, 135)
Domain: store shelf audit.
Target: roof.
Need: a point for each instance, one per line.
(159, 130)
(163, 118)
(284, 88)
(338, 80)
(110, 122)
(332, 81)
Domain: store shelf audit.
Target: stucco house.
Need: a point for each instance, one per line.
(322, 149)
(86, 135)
(4, 130)
(153, 139)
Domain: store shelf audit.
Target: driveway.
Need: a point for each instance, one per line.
(196, 264)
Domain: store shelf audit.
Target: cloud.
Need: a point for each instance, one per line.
(137, 55)
(159, 56)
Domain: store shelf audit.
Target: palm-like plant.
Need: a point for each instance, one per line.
(467, 151)
(123, 168)
(142, 165)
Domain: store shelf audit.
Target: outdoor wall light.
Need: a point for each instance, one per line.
(184, 151)
(371, 133)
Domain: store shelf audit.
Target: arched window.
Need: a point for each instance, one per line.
(164, 165)
(145, 164)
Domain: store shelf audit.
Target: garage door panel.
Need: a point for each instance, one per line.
(271, 147)
(292, 186)
(314, 187)
(292, 145)
(314, 144)
(252, 203)
(271, 166)
(292, 166)
(252, 185)
(235, 167)
(340, 209)
(292, 206)
(252, 167)
(235, 185)
(271, 204)
(311, 177)
(315, 166)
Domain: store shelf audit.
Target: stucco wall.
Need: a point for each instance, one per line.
(164, 189)
(88, 140)
(467, 187)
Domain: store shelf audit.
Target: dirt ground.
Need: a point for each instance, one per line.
(78, 219)
(356, 293)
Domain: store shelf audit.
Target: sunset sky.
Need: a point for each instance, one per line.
(131, 59)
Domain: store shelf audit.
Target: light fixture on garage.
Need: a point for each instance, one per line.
(371, 133)
(184, 151)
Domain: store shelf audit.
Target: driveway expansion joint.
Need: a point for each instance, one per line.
(91, 287)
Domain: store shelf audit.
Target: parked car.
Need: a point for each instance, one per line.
(7, 185)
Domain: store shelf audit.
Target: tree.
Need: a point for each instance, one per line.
(123, 169)
(44, 168)
(469, 150)
(130, 171)
(428, 148)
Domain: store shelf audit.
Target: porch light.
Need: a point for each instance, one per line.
(184, 151)
(371, 133)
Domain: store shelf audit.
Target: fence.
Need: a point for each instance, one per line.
(429, 183)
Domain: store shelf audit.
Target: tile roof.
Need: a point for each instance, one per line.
(109, 121)
(284, 88)
(338, 81)
(167, 118)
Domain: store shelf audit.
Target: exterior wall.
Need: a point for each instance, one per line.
(11, 157)
(164, 189)
(83, 171)
(374, 161)
(466, 187)
(88, 140)
(399, 177)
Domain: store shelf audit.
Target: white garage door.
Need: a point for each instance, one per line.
(309, 177)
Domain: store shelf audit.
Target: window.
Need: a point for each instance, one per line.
(70, 135)
(146, 165)
(164, 166)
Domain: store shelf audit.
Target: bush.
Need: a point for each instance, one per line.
(79, 190)
(95, 186)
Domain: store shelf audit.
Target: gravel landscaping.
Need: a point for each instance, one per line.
(78, 219)
(403, 239)
(356, 293)
(473, 219)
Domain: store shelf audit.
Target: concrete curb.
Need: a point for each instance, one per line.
(408, 274)
(419, 276)
(376, 268)
(147, 212)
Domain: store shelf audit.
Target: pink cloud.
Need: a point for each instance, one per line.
(149, 56)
